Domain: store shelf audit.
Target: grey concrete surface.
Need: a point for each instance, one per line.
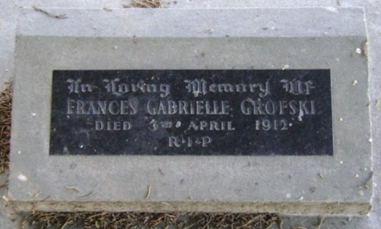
(8, 17)
(8, 13)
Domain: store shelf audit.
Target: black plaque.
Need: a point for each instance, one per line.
(191, 112)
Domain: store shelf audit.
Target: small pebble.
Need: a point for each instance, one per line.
(6, 199)
(341, 162)
(21, 177)
(285, 66)
(356, 175)
(354, 82)
(358, 51)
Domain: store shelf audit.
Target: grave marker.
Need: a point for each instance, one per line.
(238, 110)
(191, 112)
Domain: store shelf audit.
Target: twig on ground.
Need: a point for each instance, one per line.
(59, 16)
(5, 184)
(87, 195)
(144, 4)
(320, 222)
(73, 188)
(148, 192)
(107, 9)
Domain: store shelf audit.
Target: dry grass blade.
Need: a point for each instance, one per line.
(5, 126)
(5, 184)
(59, 16)
(144, 4)
(148, 192)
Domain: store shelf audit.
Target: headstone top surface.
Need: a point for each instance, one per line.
(196, 23)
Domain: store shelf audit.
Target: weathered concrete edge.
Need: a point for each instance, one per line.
(252, 22)
(298, 208)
